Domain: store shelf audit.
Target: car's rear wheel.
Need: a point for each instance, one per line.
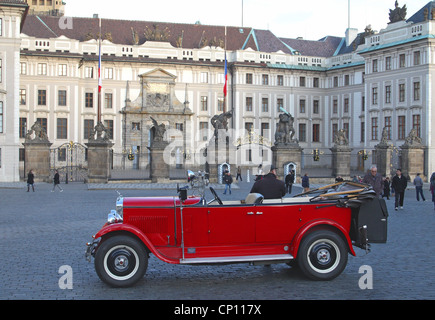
(322, 255)
(121, 261)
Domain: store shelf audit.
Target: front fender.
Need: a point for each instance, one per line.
(120, 227)
(318, 223)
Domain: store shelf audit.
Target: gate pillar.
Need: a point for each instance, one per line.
(413, 156)
(99, 155)
(37, 158)
(37, 153)
(159, 170)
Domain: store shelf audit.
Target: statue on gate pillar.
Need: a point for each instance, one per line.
(39, 133)
(99, 133)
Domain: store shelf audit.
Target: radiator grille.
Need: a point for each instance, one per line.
(150, 224)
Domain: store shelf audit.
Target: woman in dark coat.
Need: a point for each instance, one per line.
(386, 188)
(30, 181)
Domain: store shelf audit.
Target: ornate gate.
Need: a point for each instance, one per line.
(71, 160)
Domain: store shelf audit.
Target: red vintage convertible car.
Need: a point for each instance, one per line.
(317, 230)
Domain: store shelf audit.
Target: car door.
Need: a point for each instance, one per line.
(231, 225)
(276, 223)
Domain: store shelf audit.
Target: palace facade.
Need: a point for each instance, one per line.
(361, 83)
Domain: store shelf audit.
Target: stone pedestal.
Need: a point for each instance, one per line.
(341, 161)
(159, 170)
(99, 161)
(220, 154)
(37, 158)
(283, 154)
(412, 161)
(383, 159)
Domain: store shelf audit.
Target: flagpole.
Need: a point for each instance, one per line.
(99, 74)
(226, 72)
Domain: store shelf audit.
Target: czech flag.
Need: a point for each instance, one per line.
(226, 76)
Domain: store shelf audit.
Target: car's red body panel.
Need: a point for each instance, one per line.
(227, 230)
(318, 231)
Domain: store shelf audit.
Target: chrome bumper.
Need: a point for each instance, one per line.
(90, 250)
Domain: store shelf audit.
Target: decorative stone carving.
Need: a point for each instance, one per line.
(159, 131)
(340, 139)
(36, 134)
(285, 130)
(99, 134)
(398, 14)
(413, 140)
(220, 122)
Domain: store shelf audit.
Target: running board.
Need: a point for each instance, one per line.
(266, 258)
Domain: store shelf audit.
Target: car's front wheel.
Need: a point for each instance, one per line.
(121, 261)
(322, 255)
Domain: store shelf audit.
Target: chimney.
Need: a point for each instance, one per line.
(351, 34)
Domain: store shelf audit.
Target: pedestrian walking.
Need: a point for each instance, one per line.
(306, 182)
(399, 185)
(418, 183)
(374, 179)
(386, 188)
(289, 179)
(239, 174)
(432, 188)
(228, 180)
(56, 181)
(30, 181)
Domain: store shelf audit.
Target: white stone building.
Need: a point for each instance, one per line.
(12, 15)
(361, 83)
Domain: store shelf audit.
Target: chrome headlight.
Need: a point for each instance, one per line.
(116, 216)
(113, 217)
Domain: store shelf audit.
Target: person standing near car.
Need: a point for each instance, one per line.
(374, 179)
(399, 185)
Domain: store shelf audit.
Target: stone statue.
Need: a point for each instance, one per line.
(398, 14)
(384, 136)
(340, 138)
(220, 122)
(40, 134)
(159, 130)
(99, 133)
(413, 139)
(285, 131)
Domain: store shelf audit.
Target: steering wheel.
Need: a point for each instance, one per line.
(216, 197)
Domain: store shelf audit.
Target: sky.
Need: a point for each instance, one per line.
(311, 19)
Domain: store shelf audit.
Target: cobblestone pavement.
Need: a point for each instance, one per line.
(42, 231)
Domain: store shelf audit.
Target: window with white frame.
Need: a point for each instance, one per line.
(23, 68)
(62, 70)
(108, 73)
(89, 72)
(42, 69)
(204, 77)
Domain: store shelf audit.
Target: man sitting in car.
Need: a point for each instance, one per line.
(270, 186)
